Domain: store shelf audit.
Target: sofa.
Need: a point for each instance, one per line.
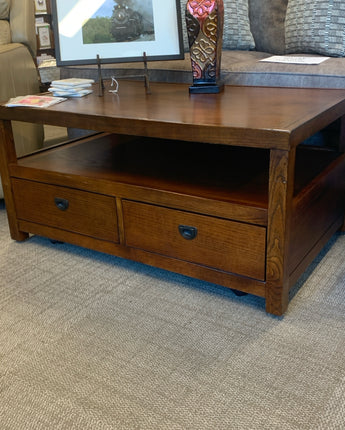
(255, 30)
(17, 67)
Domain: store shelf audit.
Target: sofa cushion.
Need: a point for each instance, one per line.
(267, 18)
(316, 27)
(237, 34)
(4, 9)
(164, 71)
(251, 71)
(5, 32)
(19, 77)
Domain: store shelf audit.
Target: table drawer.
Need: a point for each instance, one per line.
(67, 209)
(222, 244)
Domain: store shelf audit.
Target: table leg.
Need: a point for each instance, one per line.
(281, 184)
(8, 156)
(342, 149)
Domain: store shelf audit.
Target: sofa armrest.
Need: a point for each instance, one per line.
(22, 23)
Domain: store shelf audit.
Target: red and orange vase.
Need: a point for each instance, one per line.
(204, 21)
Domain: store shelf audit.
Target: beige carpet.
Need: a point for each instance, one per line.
(90, 341)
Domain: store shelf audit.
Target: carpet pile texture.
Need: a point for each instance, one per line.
(91, 341)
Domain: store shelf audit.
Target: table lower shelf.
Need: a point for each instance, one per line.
(196, 209)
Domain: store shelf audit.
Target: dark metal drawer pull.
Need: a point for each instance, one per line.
(187, 232)
(61, 204)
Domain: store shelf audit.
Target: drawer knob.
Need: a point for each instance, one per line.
(187, 232)
(61, 204)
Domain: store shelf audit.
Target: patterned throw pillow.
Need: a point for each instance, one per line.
(315, 26)
(237, 34)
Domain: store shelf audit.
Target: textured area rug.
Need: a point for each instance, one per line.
(91, 341)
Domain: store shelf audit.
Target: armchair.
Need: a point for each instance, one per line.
(18, 71)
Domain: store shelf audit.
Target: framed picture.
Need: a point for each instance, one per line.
(43, 31)
(41, 6)
(116, 30)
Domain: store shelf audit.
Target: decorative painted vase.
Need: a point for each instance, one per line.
(204, 21)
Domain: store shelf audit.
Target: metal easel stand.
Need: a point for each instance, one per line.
(145, 75)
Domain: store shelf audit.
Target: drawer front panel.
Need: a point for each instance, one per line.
(222, 244)
(68, 209)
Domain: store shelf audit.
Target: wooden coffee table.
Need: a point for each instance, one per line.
(220, 187)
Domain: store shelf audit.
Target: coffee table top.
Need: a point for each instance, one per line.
(246, 116)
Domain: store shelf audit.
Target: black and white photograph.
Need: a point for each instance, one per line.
(120, 21)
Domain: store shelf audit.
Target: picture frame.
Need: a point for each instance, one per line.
(41, 6)
(116, 31)
(43, 31)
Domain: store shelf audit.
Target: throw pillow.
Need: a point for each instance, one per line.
(237, 34)
(267, 23)
(4, 9)
(315, 26)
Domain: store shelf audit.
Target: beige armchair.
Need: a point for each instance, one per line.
(18, 72)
